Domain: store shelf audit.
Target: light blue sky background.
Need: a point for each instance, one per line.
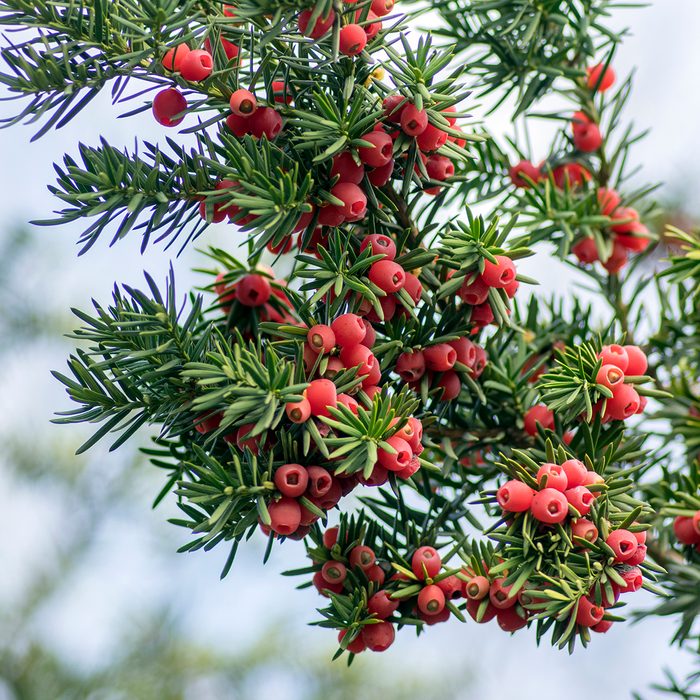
(133, 565)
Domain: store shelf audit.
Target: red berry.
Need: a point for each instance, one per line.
(353, 40)
(498, 274)
(349, 330)
(481, 611)
(322, 395)
(357, 646)
(639, 556)
(417, 435)
(413, 287)
(285, 515)
(321, 338)
(381, 8)
(253, 290)
(588, 613)
(614, 355)
(696, 525)
(584, 529)
(382, 605)
(196, 66)
(588, 138)
(451, 586)
(549, 506)
(685, 531)
(265, 121)
(230, 49)
(608, 199)
(623, 543)
(330, 537)
(426, 563)
(348, 401)
(381, 175)
(571, 175)
(575, 471)
(624, 402)
(318, 28)
(636, 239)
(600, 76)
(414, 121)
(439, 167)
(345, 167)
(602, 627)
(243, 103)
(515, 496)
(610, 376)
(393, 106)
(299, 411)
(553, 476)
(431, 600)
(378, 637)
(482, 315)
(431, 139)
(373, 26)
(291, 480)
(538, 414)
(451, 386)
(320, 481)
(509, 620)
(628, 217)
(474, 293)
(379, 245)
(334, 572)
(440, 357)
(240, 126)
(354, 200)
(410, 366)
(322, 585)
(174, 57)
(388, 275)
(586, 251)
(499, 595)
(167, 105)
(380, 150)
(580, 498)
(362, 557)
(633, 579)
(476, 588)
(400, 459)
(523, 172)
(466, 351)
(354, 355)
(637, 360)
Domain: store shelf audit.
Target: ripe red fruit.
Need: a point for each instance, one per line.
(380, 150)
(509, 620)
(553, 476)
(696, 525)
(431, 600)
(628, 218)
(321, 585)
(174, 57)
(476, 588)
(354, 355)
(636, 239)
(608, 199)
(322, 395)
(586, 251)
(584, 529)
(475, 293)
(575, 472)
(243, 103)
(451, 586)
(481, 315)
(378, 637)
(588, 613)
(388, 275)
(357, 646)
(466, 351)
(439, 167)
(362, 557)
(379, 245)
(410, 366)
(230, 49)
(285, 515)
(515, 496)
(637, 361)
(299, 411)
(538, 414)
(498, 274)
(240, 126)
(318, 28)
(381, 8)
(521, 173)
(481, 611)
(352, 40)
(431, 139)
(685, 531)
(354, 200)
(373, 25)
(400, 459)
(349, 330)
(571, 175)
(499, 595)
(416, 435)
(348, 401)
(623, 543)
(330, 537)
(345, 167)
(393, 106)
(580, 121)
(615, 355)
(588, 138)
(624, 402)
(334, 572)
(167, 105)
(381, 175)
(426, 562)
(265, 121)
(451, 386)
(319, 482)
(580, 498)
(639, 556)
(610, 376)
(602, 627)
(414, 121)
(291, 480)
(253, 290)
(321, 338)
(197, 65)
(382, 605)
(549, 506)
(600, 76)
(633, 579)
(440, 357)
(617, 260)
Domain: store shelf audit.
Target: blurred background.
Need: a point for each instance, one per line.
(94, 600)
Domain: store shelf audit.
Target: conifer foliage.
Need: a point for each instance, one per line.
(361, 354)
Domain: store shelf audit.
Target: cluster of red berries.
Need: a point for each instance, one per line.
(489, 598)
(438, 363)
(620, 362)
(562, 490)
(687, 530)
